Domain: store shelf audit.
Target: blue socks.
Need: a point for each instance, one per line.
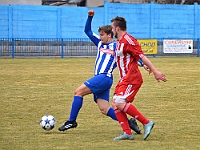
(111, 114)
(76, 106)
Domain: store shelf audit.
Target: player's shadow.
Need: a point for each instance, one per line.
(58, 132)
(54, 132)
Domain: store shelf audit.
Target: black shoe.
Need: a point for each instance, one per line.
(133, 125)
(68, 125)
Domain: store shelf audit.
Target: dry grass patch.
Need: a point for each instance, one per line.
(31, 88)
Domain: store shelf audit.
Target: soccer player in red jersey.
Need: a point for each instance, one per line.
(127, 54)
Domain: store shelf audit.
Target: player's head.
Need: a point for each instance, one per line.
(118, 24)
(106, 34)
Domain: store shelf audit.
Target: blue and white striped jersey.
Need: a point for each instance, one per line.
(105, 61)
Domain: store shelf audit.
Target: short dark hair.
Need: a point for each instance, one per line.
(119, 22)
(107, 29)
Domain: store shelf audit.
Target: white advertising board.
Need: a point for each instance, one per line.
(177, 46)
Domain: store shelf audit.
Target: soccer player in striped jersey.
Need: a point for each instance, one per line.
(127, 54)
(100, 84)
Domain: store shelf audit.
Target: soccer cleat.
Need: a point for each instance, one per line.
(147, 129)
(124, 136)
(68, 125)
(133, 125)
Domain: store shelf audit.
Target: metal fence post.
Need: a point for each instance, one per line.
(198, 47)
(62, 47)
(13, 48)
(106, 11)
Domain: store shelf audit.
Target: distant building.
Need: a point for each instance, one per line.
(21, 2)
(92, 3)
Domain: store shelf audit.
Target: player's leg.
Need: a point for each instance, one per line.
(105, 108)
(76, 106)
(122, 103)
(101, 97)
(93, 85)
(147, 124)
(123, 121)
(79, 93)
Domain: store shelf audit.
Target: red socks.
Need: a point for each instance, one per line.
(123, 120)
(132, 111)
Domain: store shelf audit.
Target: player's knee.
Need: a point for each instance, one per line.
(104, 109)
(77, 92)
(120, 103)
(117, 105)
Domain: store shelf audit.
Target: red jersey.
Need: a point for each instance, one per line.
(128, 52)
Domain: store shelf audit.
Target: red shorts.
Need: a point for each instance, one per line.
(127, 91)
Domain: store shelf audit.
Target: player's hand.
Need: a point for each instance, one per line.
(91, 13)
(159, 76)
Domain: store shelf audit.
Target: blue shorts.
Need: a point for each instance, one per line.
(100, 86)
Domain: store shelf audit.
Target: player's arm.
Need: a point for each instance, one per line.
(141, 64)
(158, 75)
(88, 30)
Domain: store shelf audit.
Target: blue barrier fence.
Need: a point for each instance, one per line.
(143, 20)
(46, 47)
(67, 48)
(198, 52)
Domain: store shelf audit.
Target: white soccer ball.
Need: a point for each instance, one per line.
(47, 122)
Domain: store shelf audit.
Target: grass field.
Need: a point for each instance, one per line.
(31, 88)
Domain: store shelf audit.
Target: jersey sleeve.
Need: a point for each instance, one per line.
(93, 37)
(135, 50)
(140, 63)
